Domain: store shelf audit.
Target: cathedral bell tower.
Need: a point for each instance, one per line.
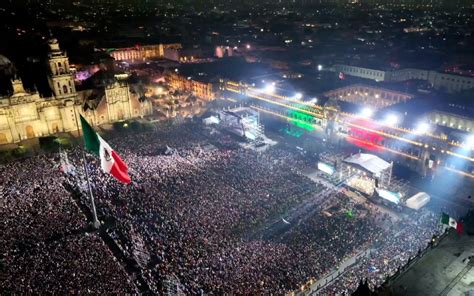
(60, 78)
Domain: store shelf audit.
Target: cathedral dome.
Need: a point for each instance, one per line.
(4, 61)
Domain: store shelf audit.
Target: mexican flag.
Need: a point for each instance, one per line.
(445, 219)
(110, 162)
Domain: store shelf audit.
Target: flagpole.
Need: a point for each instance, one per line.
(95, 221)
(94, 211)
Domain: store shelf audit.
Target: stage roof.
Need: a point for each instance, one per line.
(368, 162)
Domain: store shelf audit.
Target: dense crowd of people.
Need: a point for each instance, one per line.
(200, 211)
(34, 205)
(393, 248)
(43, 244)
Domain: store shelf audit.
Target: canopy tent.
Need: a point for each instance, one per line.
(418, 200)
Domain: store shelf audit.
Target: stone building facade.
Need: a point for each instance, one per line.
(377, 98)
(25, 115)
(199, 89)
(141, 53)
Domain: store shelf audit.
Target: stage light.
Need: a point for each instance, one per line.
(248, 46)
(391, 119)
(269, 88)
(367, 112)
(298, 96)
(422, 128)
(320, 67)
(470, 142)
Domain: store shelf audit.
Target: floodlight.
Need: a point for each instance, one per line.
(422, 128)
(470, 142)
(269, 88)
(391, 119)
(367, 112)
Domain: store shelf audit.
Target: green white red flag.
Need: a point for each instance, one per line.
(451, 222)
(110, 161)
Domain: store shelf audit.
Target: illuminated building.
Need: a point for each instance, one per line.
(372, 74)
(454, 121)
(377, 98)
(27, 115)
(422, 152)
(450, 83)
(201, 90)
(140, 53)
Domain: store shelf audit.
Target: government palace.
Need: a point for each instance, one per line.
(26, 115)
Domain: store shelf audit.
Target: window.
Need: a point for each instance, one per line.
(65, 89)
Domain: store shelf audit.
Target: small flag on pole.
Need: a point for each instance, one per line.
(451, 222)
(110, 161)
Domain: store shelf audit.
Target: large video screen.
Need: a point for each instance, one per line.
(326, 168)
(390, 196)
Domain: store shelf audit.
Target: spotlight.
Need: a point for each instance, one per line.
(298, 96)
(270, 88)
(367, 112)
(320, 67)
(391, 119)
(470, 142)
(422, 128)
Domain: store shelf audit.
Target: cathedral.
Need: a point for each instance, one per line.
(26, 115)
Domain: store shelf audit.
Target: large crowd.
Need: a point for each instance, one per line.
(392, 250)
(197, 212)
(44, 246)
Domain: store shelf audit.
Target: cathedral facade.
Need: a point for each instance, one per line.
(25, 115)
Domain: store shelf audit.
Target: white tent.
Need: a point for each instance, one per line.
(418, 200)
